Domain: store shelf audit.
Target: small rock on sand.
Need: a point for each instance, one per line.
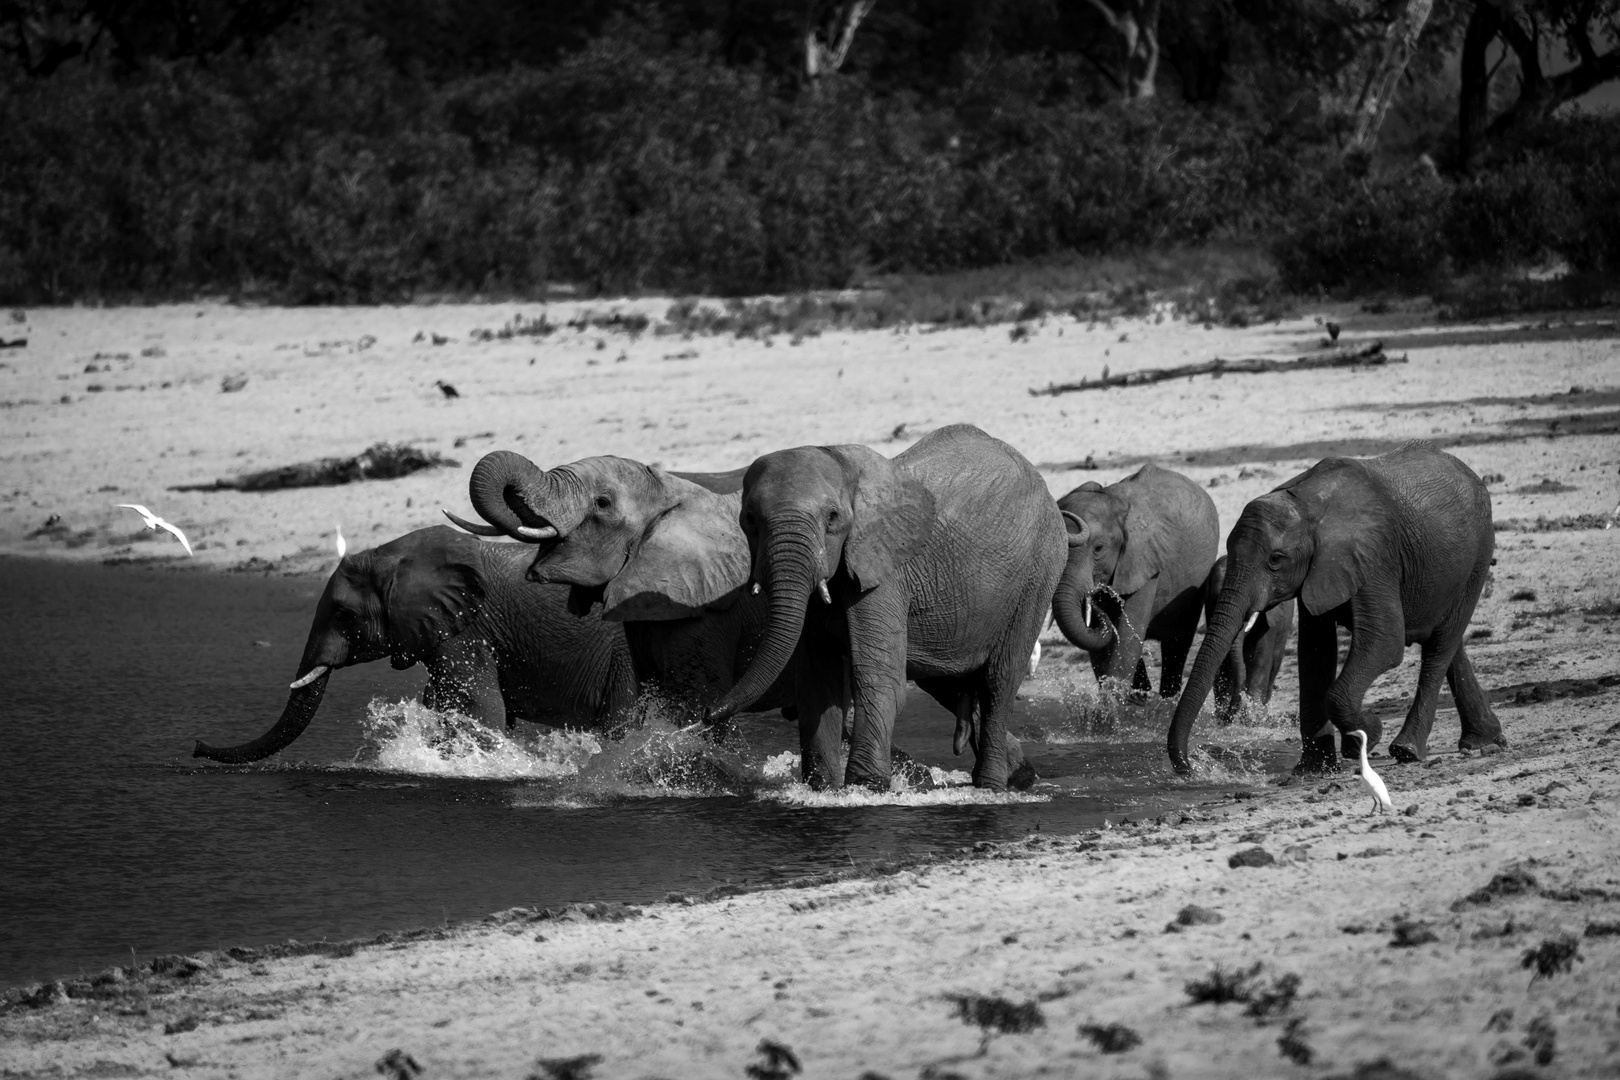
(1255, 856)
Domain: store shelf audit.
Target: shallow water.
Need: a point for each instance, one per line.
(384, 816)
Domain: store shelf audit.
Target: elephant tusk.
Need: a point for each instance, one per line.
(534, 535)
(826, 597)
(754, 590)
(1253, 615)
(314, 673)
(1085, 611)
(470, 526)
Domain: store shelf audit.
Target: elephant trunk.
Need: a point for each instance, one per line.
(300, 710)
(1071, 603)
(1221, 634)
(513, 494)
(794, 572)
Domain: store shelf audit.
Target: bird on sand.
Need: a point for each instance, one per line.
(446, 389)
(152, 521)
(1333, 330)
(1374, 782)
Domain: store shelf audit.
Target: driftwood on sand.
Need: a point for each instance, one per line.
(1368, 355)
(384, 461)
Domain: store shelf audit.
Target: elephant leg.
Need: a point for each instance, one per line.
(1269, 650)
(821, 695)
(960, 697)
(1173, 650)
(1479, 724)
(1412, 742)
(1377, 641)
(877, 651)
(1318, 660)
(462, 678)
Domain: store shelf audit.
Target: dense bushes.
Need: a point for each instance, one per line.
(313, 171)
(1554, 194)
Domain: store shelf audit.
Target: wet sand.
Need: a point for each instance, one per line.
(868, 973)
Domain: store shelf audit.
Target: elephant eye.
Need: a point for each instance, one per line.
(1277, 559)
(603, 502)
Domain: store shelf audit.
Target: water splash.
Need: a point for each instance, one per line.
(409, 737)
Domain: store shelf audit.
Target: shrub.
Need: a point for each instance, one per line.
(1357, 232)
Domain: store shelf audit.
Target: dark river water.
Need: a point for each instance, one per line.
(115, 842)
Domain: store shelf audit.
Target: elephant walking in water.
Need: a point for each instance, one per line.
(1140, 552)
(661, 552)
(1251, 666)
(496, 648)
(937, 566)
(1395, 549)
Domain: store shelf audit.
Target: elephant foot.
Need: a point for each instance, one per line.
(1318, 759)
(1479, 740)
(871, 780)
(1023, 778)
(1407, 753)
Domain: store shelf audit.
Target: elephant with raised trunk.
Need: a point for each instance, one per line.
(1251, 665)
(1395, 549)
(660, 551)
(495, 647)
(1139, 554)
(937, 566)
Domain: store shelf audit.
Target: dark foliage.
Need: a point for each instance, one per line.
(1554, 956)
(1221, 986)
(1111, 1038)
(1292, 1043)
(777, 1062)
(997, 1014)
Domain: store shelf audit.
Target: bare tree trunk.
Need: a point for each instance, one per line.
(1137, 25)
(1474, 91)
(824, 58)
(1540, 93)
(1400, 41)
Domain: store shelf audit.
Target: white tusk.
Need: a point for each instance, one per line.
(755, 590)
(826, 597)
(342, 544)
(1085, 611)
(1253, 615)
(534, 535)
(314, 673)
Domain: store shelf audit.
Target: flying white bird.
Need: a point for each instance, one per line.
(155, 522)
(1374, 782)
(342, 544)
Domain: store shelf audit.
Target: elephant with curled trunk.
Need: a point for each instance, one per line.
(1251, 665)
(937, 566)
(661, 552)
(1140, 551)
(495, 647)
(1396, 549)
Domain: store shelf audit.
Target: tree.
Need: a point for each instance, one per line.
(1136, 24)
(836, 23)
(1400, 41)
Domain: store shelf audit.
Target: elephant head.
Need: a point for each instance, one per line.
(809, 514)
(1318, 538)
(400, 600)
(1109, 545)
(648, 543)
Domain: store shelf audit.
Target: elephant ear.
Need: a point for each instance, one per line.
(691, 557)
(1353, 536)
(1145, 550)
(894, 516)
(428, 597)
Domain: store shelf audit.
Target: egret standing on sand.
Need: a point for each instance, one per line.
(155, 522)
(1374, 782)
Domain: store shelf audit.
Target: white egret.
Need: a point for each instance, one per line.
(1374, 782)
(152, 521)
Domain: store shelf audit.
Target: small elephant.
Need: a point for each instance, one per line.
(1250, 669)
(660, 551)
(1139, 554)
(1396, 549)
(496, 648)
(937, 566)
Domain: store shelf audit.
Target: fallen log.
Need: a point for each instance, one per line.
(1369, 355)
(379, 462)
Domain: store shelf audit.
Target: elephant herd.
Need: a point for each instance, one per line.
(821, 580)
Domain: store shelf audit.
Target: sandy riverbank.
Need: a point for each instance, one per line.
(858, 975)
